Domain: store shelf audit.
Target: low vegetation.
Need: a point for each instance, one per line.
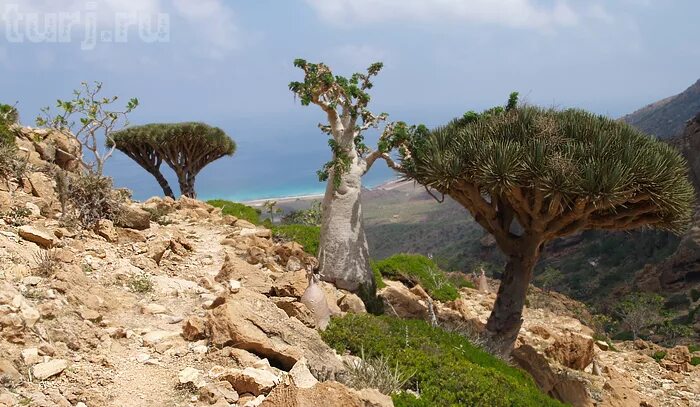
(415, 269)
(92, 198)
(444, 368)
(46, 263)
(306, 235)
(239, 210)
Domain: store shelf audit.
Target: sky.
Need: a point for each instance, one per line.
(229, 62)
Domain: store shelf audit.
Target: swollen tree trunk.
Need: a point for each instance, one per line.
(506, 317)
(343, 254)
(186, 181)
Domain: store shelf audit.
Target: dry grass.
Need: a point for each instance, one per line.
(375, 373)
(46, 263)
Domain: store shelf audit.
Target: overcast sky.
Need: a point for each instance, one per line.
(229, 62)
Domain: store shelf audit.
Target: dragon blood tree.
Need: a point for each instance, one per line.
(343, 253)
(186, 147)
(530, 175)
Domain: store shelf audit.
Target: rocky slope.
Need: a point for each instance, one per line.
(201, 309)
(667, 117)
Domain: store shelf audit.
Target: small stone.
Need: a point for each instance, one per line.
(234, 286)
(90, 315)
(153, 309)
(191, 375)
(194, 329)
(43, 371)
(250, 380)
(31, 280)
(30, 356)
(155, 337)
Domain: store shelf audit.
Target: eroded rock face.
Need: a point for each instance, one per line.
(251, 321)
(133, 217)
(325, 394)
(401, 302)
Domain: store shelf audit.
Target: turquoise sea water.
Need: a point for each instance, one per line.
(270, 162)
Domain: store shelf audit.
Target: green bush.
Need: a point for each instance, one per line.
(658, 355)
(418, 269)
(695, 294)
(695, 360)
(307, 236)
(693, 348)
(445, 368)
(238, 210)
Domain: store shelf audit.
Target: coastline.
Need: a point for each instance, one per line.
(387, 185)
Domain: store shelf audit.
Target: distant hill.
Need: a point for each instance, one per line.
(667, 117)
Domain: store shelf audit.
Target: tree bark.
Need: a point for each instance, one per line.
(343, 253)
(506, 317)
(186, 182)
(167, 191)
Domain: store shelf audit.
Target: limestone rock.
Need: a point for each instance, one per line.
(191, 375)
(133, 217)
(250, 380)
(324, 394)
(105, 228)
(302, 376)
(194, 329)
(37, 235)
(350, 302)
(253, 322)
(401, 302)
(43, 371)
(291, 284)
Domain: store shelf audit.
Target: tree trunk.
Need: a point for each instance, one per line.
(343, 253)
(167, 191)
(506, 317)
(186, 182)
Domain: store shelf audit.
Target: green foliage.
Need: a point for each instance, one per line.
(239, 210)
(695, 360)
(444, 367)
(307, 236)
(89, 117)
(8, 116)
(186, 147)
(598, 172)
(639, 310)
(16, 216)
(378, 279)
(310, 217)
(418, 269)
(659, 355)
(695, 294)
(343, 99)
(140, 283)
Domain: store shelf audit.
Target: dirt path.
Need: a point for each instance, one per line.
(146, 376)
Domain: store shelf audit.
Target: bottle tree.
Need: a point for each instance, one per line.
(186, 147)
(343, 253)
(530, 175)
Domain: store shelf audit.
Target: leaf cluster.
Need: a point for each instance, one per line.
(556, 172)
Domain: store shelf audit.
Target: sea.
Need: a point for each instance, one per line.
(270, 161)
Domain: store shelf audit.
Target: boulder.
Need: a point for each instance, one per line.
(324, 394)
(253, 278)
(250, 380)
(296, 309)
(194, 329)
(251, 321)
(291, 284)
(352, 303)
(105, 228)
(37, 235)
(133, 217)
(399, 301)
(43, 371)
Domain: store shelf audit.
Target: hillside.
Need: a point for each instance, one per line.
(666, 118)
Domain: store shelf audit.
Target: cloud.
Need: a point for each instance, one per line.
(509, 13)
(213, 22)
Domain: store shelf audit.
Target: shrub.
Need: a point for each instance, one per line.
(46, 263)
(92, 199)
(417, 269)
(695, 294)
(307, 236)
(693, 348)
(238, 210)
(17, 216)
(695, 360)
(375, 373)
(160, 215)
(140, 283)
(679, 300)
(311, 216)
(446, 369)
(659, 355)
